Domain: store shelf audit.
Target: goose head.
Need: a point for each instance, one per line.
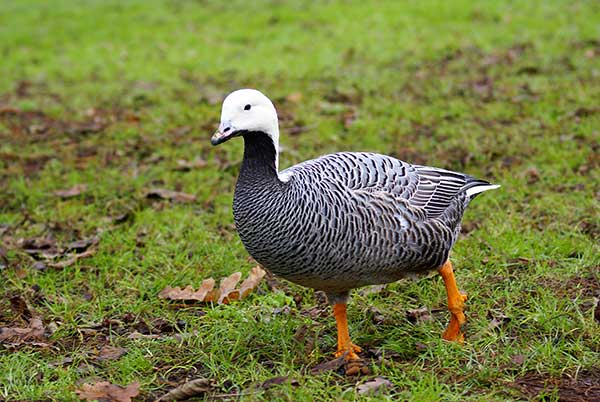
(247, 112)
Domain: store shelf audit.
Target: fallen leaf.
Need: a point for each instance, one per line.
(225, 293)
(374, 386)
(251, 282)
(121, 218)
(518, 360)
(32, 335)
(39, 266)
(164, 194)
(19, 307)
(71, 192)
(211, 94)
(188, 293)
(316, 312)
(180, 131)
(73, 259)
(418, 315)
(197, 387)
(139, 335)
(84, 127)
(294, 97)
(377, 316)
(186, 166)
(105, 391)
(3, 258)
(300, 333)
(42, 246)
(348, 117)
(373, 289)
(278, 381)
(83, 244)
(110, 353)
(498, 319)
(585, 111)
(227, 287)
(9, 110)
(484, 88)
(330, 365)
(532, 175)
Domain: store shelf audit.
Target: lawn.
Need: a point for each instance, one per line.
(104, 102)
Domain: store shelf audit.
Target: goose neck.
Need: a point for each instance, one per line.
(260, 157)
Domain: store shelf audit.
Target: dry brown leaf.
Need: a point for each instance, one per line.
(73, 259)
(110, 353)
(35, 331)
(139, 335)
(71, 192)
(185, 166)
(278, 381)
(224, 294)
(45, 247)
(33, 335)
(294, 97)
(418, 315)
(373, 289)
(251, 282)
(19, 307)
(48, 249)
(106, 391)
(498, 319)
(228, 286)
(188, 293)
(3, 258)
(165, 194)
(330, 365)
(196, 387)
(83, 244)
(374, 386)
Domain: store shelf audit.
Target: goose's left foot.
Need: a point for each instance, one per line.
(345, 346)
(456, 303)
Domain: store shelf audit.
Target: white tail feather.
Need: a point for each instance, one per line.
(480, 189)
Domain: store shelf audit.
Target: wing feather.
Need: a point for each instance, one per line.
(431, 189)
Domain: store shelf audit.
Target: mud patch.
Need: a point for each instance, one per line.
(35, 126)
(582, 388)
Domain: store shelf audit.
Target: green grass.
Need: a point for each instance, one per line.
(506, 91)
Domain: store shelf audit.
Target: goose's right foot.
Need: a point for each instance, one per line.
(345, 346)
(456, 303)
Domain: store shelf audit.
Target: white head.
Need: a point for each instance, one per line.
(247, 110)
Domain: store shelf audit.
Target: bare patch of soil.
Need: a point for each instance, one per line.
(583, 387)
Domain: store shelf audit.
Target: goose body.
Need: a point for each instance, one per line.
(342, 220)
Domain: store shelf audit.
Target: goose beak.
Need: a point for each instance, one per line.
(218, 138)
(224, 133)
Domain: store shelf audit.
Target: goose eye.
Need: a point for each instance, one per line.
(247, 107)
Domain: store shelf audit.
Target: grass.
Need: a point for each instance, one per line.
(502, 90)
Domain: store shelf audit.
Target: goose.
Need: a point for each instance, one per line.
(343, 220)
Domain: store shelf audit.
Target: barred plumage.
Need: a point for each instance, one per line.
(348, 219)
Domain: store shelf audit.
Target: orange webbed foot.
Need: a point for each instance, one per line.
(345, 346)
(456, 303)
(349, 351)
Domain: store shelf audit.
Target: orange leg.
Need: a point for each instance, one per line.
(345, 345)
(456, 302)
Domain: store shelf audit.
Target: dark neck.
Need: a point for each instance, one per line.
(259, 157)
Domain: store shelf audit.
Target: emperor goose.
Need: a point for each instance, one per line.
(343, 220)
